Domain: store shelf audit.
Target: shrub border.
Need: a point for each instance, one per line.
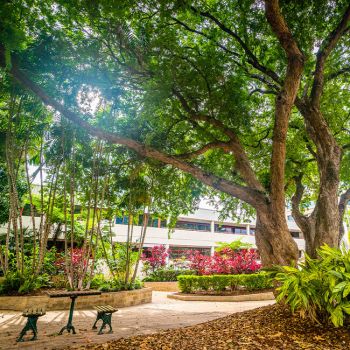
(218, 283)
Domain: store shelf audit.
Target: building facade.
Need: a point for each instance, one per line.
(202, 230)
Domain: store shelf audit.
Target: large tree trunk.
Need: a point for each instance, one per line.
(273, 239)
(322, 226)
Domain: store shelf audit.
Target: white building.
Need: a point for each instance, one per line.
(201, 230)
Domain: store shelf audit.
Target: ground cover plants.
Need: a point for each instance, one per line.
(319, 289)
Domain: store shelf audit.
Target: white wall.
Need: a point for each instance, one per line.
(180, 237)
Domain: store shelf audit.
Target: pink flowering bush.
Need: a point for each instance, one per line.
(79, 264)
(225, 262)
(156, 257)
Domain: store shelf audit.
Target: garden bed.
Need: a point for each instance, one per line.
(271, 327)
(116, 299)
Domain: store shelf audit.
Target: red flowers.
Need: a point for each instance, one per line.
(77, 256)
(156, 257)
(227, 261)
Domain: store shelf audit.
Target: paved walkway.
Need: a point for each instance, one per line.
(163, 313)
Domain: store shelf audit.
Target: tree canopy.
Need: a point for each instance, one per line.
(249, 97)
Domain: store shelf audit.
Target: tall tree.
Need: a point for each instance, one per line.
(208, 88)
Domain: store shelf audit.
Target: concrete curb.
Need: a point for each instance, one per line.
(222, 298)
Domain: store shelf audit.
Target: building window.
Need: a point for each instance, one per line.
(230, 229)
(252, 231)
(176, 252)
(194, 226)
(122, 220)
(240, 230)
(295, 234)
(152, 222)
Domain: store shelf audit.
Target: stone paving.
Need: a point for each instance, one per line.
(162, 313)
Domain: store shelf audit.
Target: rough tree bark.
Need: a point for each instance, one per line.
(324, 224)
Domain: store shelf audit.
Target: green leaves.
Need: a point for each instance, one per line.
(318, 289)
(219, 283)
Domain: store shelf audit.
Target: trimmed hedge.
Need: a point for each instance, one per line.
(167, 275)
(220, 283)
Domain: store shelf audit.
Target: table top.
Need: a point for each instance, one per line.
(73, 293)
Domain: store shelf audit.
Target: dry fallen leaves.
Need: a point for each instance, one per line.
(270, 327)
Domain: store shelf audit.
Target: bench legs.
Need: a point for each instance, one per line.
(69, 327)
(30, 326)
(106, 318)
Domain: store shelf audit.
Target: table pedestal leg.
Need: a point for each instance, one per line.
(69, 327)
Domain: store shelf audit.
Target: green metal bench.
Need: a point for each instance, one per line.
(104, 313)
(32, 315)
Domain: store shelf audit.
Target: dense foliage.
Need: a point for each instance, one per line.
(320, 288)
(104, 284)
(248, 111)
(221, 283)
(14, 283)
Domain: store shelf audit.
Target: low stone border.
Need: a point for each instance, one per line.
(242, 297)
(163, 286)
(116, 299)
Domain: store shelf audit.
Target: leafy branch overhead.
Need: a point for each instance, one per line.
(237, 94)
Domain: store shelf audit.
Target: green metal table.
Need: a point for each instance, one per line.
(73, 295)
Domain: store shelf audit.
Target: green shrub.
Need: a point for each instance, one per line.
(167, 275)
(59, 281)
(187, 283)
(220, 283)
(217, 282)
(320, 288)
(16, 283)
(114, 284)
(255, 281)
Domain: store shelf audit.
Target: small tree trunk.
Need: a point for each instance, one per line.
(47, 225)
(41, 225)
(323, 224)
(343, 202)
(72, 208)
(142, 241)
(31, 209)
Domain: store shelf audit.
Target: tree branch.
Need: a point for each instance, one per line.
(326, 48)
(246, 194)
(242, 161)
(188, 28)
(285, 99)
(212, 145)
(336, 74)
(252, 59)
